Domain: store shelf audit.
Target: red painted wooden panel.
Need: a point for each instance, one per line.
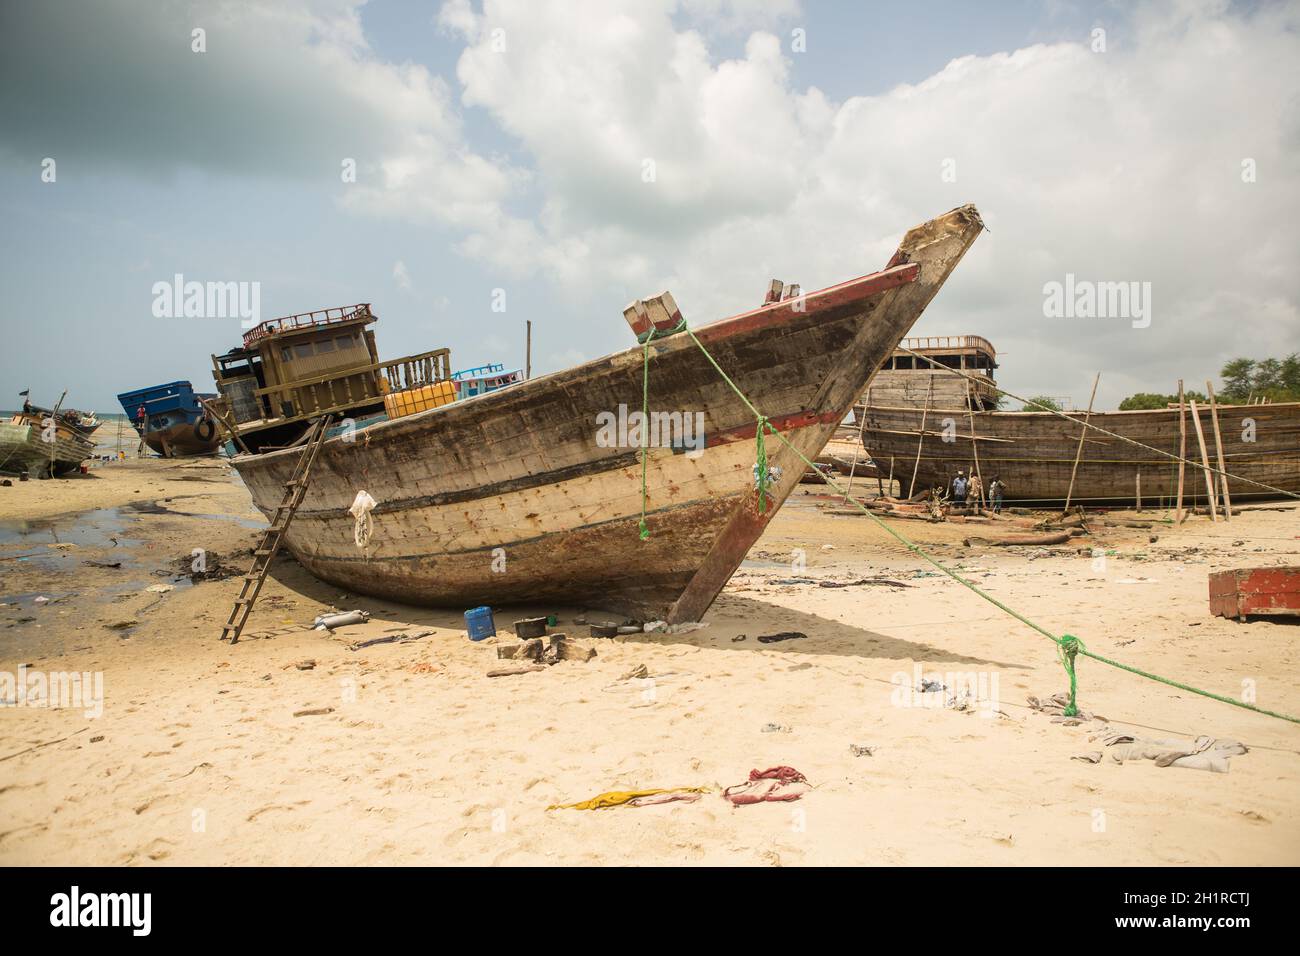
(1246, 591)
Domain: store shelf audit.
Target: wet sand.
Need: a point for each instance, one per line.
(409, 753)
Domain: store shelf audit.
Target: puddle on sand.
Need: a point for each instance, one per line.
(101, 528)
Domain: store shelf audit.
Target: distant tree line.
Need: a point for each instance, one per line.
(1277, 380)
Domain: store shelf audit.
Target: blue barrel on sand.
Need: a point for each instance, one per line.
(479, 623)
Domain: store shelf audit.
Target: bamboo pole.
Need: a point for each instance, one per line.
(1218, 447)
(1205, 460)
(1078, 452)
(920, 441)
(974, 446)
(891, 476)
(857, 451)
(528, 350)
(1139, 490)
(1179, 514)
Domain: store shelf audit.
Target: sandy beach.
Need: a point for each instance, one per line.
(293, 748)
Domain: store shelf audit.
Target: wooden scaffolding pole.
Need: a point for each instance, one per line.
(1083, 433)
(1218, 447)
(858, 451)
(1205, 460)
(920, 441)
(974, 447)
(1179, 515)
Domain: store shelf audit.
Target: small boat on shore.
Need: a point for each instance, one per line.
(171, 420)
(535, 492)
(44, 443)
(929, 421)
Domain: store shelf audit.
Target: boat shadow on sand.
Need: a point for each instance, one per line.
(730, 617)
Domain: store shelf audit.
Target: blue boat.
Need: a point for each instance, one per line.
(170, 419)
(485, 378)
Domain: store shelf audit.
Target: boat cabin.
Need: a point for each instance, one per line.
(904, 380)
(294, 369)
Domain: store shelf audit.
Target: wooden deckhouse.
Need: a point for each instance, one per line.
(294, 369)
(907, 381)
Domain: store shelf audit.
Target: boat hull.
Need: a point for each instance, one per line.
(184, 439)
(23, 448)
(1034, 452)
(518, 496)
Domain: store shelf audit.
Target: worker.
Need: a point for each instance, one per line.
(959, 487)
(996, 489)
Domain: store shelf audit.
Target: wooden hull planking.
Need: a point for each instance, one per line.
(1034, 452)
(509, 498)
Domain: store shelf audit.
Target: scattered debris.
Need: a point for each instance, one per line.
(530, 627)
(314, 712)
(512, 671)
(392, 639)
(1054, 707)
(306, 665)
(777, 729)
(781, 636)
(862, 750)
(1203, 753)
(775, 785)
(328, 622)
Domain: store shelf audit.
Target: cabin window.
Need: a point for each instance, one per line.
(343, 342)
(286, 353)
(303, 351)
(325, 345)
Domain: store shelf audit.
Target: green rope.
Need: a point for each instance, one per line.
(1068, 646)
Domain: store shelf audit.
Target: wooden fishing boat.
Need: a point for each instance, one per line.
(1034, 452)
(514, 496)
(42, 446)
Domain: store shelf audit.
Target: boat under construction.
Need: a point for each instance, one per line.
(931, 411)
(526, 493)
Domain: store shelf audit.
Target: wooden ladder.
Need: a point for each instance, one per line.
(294, 490)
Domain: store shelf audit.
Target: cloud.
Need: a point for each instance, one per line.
(1116, 166)
(286, 90)
(401, 276)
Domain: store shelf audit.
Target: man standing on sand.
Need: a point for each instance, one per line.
(959, 486)
(995, 494)
(976, 492)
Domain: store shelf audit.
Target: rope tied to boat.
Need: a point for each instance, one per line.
(1068, 646)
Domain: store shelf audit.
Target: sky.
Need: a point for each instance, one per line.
(551, 161)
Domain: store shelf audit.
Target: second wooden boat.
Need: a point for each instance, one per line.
(1034, 452)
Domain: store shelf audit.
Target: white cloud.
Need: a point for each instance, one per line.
(1116, 166)
(401, 276)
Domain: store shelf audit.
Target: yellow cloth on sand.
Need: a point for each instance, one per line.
(616, 798)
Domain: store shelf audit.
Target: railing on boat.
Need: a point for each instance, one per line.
(949, 342)
(303, 320)
(411, 371)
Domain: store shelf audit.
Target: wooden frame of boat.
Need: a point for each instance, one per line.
(509, 497)
(1034, 452)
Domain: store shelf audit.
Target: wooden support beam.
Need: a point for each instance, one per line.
(974, 445)
(1218, 447)
(920, 442)
(1179, 515)
(1083, 433)
(1205, 460)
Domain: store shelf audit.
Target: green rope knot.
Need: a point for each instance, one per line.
(1069, 647)
(760, 463)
